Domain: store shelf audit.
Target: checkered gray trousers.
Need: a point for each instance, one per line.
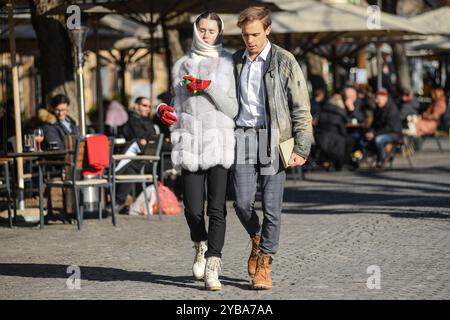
(244, 182)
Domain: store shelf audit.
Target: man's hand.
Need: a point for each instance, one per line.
(296, 160)
(370, 135)
(195, 85)
(165, 113)
(349, 103)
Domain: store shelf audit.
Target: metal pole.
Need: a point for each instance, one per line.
(151, 67)
(442, 76)
(15, 80)
(168, 52)
(379, 67)
(379, 60)
(80, 85)
(98, 81)
(78, 36)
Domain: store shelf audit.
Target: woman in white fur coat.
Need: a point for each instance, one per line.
(202, 134)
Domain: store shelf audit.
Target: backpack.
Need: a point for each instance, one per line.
(169, 201)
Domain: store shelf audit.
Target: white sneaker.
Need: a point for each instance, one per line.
(198, 268)
(212, 270)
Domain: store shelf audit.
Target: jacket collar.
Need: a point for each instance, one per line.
(262, 55)
(269, 63)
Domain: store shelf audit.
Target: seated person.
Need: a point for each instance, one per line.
(409, 105)
(57, 123)
(353, 104)
(386, 127)
(137, 129)
(428, 122)
(140, 123)
(320, 97)
(332, 138)
(355, 113)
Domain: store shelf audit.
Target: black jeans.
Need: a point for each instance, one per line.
(194, 200)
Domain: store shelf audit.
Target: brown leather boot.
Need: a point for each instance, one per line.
(261, 280)
(253, 255)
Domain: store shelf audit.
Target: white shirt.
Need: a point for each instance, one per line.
(66, 123)
(252, 95)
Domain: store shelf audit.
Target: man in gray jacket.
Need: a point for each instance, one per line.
(273, 107)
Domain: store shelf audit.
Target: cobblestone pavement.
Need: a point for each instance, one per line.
(335, 225)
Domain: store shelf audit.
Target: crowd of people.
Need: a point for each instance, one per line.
(355, 123)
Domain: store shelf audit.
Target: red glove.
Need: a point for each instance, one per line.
(195, 85)
(165, 113)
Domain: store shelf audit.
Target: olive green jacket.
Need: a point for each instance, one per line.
(288, 107)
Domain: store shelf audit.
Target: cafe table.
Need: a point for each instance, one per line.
(34, 155)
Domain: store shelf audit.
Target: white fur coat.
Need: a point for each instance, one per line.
(203, 135)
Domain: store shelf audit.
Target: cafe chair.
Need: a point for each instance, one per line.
(150, 158)
(5, 184)
(71, 177)
(404, 147)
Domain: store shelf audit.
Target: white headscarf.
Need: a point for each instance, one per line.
(201, 48)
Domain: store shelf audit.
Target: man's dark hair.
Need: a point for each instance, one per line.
(59, 99)
(139, 99)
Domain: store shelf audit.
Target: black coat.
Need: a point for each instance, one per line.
(409, 107)
(138, 127)
(387, 121)
(331, 131)
(57, 131)
(358, 113)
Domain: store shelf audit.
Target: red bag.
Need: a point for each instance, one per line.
(169, 201)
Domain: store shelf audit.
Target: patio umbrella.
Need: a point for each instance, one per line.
(434, 22)
(98, 15)
(434, 45)
(333, 30)
(152, 13)
(301, 19)
(26, 41)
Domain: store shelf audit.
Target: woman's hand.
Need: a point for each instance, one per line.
(194, 85)
(166, 114)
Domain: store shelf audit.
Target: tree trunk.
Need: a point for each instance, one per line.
(405, 9)
(55, 55)
(315, 71)
(168, 54)
(122, 70)
(402, 67)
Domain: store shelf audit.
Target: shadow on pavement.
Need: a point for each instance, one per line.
(402, 193)
(312, 198)
(31, 270)
(393, 212)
